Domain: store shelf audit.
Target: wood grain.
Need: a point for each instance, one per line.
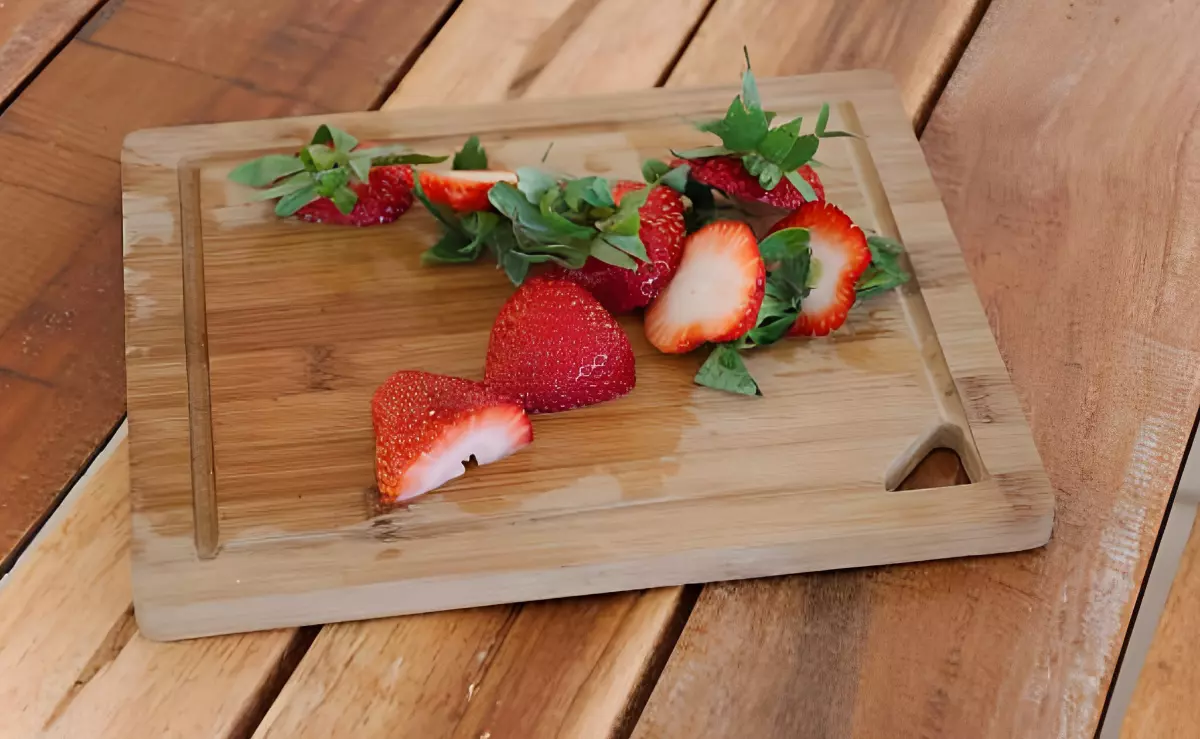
(1042, 194)
(29, 32)
(1163, 702)
(566, 47)
(918, 41)
(297, 541)
(610, 656)
(143, 63)
(71, 662)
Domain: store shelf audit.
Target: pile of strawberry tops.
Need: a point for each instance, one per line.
(579, 251)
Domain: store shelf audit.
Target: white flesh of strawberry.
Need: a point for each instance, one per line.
(833, 261)
(488, 436)
(709, 291)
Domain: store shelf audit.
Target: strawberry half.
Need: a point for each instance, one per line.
(662, 232)
(716, 292)
(729, 175)
(554, 347)
(427, 426)
(463, 190)
(839, 256)
(334, 181)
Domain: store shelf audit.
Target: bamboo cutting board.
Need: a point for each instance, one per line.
(254, 344)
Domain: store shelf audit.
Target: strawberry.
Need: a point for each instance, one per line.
(661, 231)
(554, 347)
(334, 181)
(385, 196)
(839, 256)
(463, 191)
(427, 426)
(716, 292)
(729, 175)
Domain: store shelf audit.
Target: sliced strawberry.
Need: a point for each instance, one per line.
(554, 347)
(427, 426)
(839, 256)
(729, 175)
(716, 292)
(661, 231)
(385, 196)
(463, 190)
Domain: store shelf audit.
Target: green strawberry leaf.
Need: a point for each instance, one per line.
(702, 152)
(774, 321)
(533, 183)
(265, 170)
(801, 153)
(515, 267)
(631, 245)
(293, 202)
(725, 370)
(334, 137)
(822, 119)
(885, 271)
(452, 248)
(609, 254)
(330, 181)
(345, 199)
(360, 165)
(470, 156)
(806, 190)
(653, 170)
(779, 141)
(384, 160)
(783, 244)
(750, 96)
(791, 278)
(600, 196)
(743, 127)
(294, 183)
(676, 179)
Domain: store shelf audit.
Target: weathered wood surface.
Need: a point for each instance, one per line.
(136, 64)
(29, 32)
(546, 649)
(1164, 700)
(1080, 232)
(71, 661)
(1108, 433)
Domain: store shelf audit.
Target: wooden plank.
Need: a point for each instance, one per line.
(918, 41)
(29, 32)
(1163, 702)
(142, 63)
(71, 662)
(602, 661)
(1046, 200)
(359, 654)
(566, 47)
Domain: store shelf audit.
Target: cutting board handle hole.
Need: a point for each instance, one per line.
(936, 459)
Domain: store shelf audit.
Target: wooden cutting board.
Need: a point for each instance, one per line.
(254, 344)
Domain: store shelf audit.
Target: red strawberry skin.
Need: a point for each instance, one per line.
(840, 248)
(554, 347)
(662, 232)
(464, 191)
(728, 175)
(418, 415)
(386, 195)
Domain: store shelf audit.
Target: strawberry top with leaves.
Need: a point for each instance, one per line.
(331, 180)
(662, 232)
(549, 219)
(755, 161)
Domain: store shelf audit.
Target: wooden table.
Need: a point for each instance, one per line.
(1062, 135)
